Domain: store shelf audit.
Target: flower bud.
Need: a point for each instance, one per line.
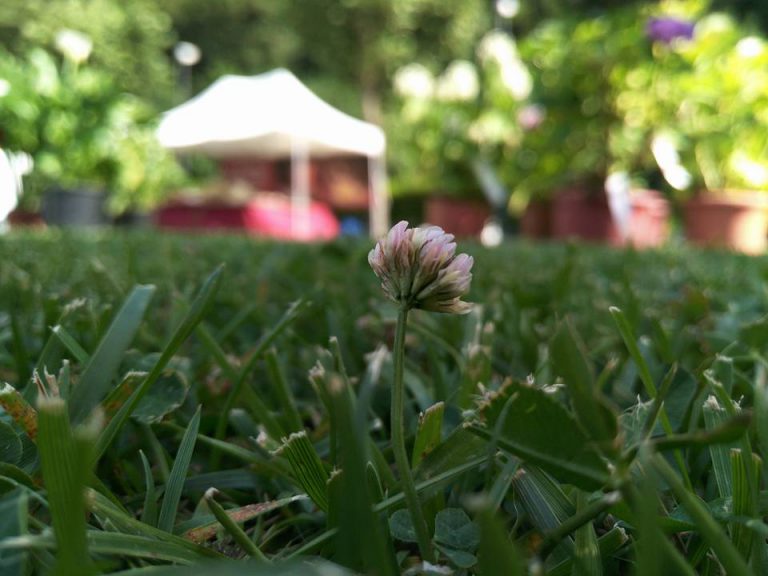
(419, 267)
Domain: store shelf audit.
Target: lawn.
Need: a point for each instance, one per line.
(597, 412)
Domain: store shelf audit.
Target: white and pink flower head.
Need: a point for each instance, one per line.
(419, 267)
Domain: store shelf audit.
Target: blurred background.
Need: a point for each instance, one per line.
(605, 120)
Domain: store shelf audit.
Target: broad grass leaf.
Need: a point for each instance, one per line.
(570, 361)
(536, 428)
(175, 483)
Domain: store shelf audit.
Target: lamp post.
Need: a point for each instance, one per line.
(186, 55)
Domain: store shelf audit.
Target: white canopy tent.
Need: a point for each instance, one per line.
(274, 115)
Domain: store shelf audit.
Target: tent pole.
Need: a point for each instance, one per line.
(300, 193)
(378, 205)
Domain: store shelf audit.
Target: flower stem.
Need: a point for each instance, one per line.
(398, 441)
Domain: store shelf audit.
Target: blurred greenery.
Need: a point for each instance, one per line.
(601, 92)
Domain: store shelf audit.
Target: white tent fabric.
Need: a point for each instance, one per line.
(273, 115)
(264, 116)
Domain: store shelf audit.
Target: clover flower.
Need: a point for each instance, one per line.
(419, 268)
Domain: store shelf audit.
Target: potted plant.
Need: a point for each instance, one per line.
(711, 131)
(578, 145)
(443, 125)
(93, 148)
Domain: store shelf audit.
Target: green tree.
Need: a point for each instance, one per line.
(131, 40)
(364, 41)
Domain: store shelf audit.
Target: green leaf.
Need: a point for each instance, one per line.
(165, 396)
(428, 433)
(570, 360)
(459, 448)
(13, 523)
(460, 558)
(454, 529)
(96, 379)
(175, 483)
(10, 444)
(536, 428)
(401, 526)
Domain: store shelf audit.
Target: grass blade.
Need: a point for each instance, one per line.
(630, 342)
(497, 556)
(96, 379)
(149, 510)
(307, 467)
(714, 416)
(237, 533)
(66, 468)
(175, 483)
(728, 555)
(69, 342)
(586, 551)
(285, 398)
(192, 318)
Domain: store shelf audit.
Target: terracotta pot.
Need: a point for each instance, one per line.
(22, 218)
(536, 221)
(458, 216)
(737, 221)
(587, 216)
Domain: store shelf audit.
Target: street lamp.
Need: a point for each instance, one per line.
(186, 55)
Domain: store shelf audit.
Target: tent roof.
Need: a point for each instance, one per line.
(265, 116)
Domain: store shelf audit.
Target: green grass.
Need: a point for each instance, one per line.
(599, 412)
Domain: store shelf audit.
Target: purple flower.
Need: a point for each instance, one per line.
(667, 29)
(419, 267)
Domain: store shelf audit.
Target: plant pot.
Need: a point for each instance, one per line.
(458, 216)
(73, 207)
(536, 221)
(737, 221)
(577, 213)
(24, 218)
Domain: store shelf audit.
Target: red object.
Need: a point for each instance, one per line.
(737, 221)
(536, 221)
(269, 216)
(579, 214)
(456, 215)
